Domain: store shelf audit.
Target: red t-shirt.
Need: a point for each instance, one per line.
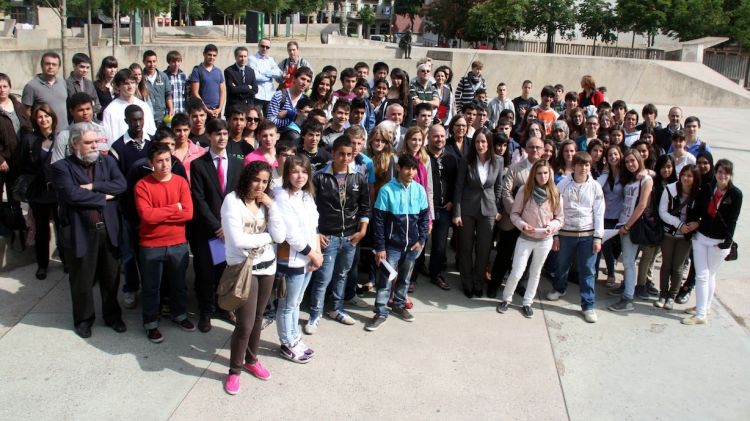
(162, 222)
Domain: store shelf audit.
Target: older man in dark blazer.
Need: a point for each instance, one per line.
(209, 186)
(87, 184)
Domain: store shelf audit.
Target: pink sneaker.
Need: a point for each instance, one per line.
(232, 384)
(258, 370)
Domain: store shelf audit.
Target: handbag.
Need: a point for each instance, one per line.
(234, 285)
(20, 188)
(647, 230)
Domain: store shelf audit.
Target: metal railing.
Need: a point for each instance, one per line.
(586, 50)
(732, 65)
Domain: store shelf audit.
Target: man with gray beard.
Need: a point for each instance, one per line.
(87, 184)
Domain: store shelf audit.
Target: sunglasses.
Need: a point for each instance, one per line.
(253, 119)
(265, 47)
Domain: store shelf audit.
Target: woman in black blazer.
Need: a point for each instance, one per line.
(717, 209)
(476, 208)
(36, 151)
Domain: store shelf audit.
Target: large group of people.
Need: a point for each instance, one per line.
(265, 170)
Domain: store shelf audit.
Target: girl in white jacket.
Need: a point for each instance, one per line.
(295, 227)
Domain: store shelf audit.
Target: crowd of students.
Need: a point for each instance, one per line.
(336, 192)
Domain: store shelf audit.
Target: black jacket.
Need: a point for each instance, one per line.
(335, 219)
(722, 227)
(207, 195)
(40, 190)
(239, 91)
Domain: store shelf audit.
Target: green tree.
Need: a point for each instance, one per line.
(692, 19)
(597, 21)
(739, 23)
(409, 8)
(642, 17)
(447, 18)
(268, 7)
(550, 17)
(489, 20)
(307, 7)
(367, 15)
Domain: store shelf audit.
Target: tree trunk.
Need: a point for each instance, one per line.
(152, 24)
(550, 41)
(632, 43)
(63, 19)
(88, 37)
(593, 48)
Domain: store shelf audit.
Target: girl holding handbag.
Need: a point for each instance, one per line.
(717, 208)
(294, 226)
(244, 220)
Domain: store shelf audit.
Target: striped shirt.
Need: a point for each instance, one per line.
(178, 81)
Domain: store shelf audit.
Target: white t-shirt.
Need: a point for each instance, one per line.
(630, 201)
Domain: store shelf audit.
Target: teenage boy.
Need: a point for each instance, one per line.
(362, 92)
(470, 115)
(400, 224)
(236, 123)
(544, 111)
(159, 87)
(177, 79)
(362, 69)
(282, 108)
(77, 81)
(649, 112)
(113, 118)
(444, 172)
(343, 201)
(499, 103)
(480, 96)
(185, 150)
(240, 80)
(524, 102)
(482, 113)
(679, 152)
(379, 71)
(165, 206)
(630, 128)
(571, 103)
(207, 82)
(129, 148)
(268, 135)
(505, 126)
(423, 117)
(348, 80)
(619, 108)
(311, 131)
(358, 114)
(335, 129)
(292, 132)
(198, 114)
(695, 144)
(581, 234)
(290, 65)
(591, 130)
(559, 103)
(212, 177)
(469, 84)
(81, 110)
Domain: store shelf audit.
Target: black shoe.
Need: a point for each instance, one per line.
(502, 307)
(492, 291)
(527, 311)
(41, 273)
(616, 292)
(683, 296)
(651, 288)
(204, 323)
(478, 293)
(83, 330)
(118, 326)
(642, 292)
(468, 293)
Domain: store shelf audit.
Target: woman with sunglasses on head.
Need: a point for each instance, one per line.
(717, 209)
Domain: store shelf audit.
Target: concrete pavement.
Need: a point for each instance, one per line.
(458, 360)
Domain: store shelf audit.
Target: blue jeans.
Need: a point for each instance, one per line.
(440, 227)
(629, 254)
(337, 260)
(155, 261)
(350, 290)
(403, 262)
(583, 249)
(287, 309)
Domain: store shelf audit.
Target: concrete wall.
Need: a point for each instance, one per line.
(635, 81)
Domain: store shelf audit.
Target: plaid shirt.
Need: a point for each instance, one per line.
(179, 92)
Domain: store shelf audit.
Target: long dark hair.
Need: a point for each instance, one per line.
(693, 193)
(650, 162)
(315, 97)
(248, 174)
(660, 163)
(626, 176)
(620, 166)
(45, 108)
(403, 94)
(101, 76)
(471, 156)
(500, 139)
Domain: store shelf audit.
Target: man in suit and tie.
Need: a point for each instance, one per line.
(212, 177)
(240, 80)
(87, 184)
(395, 113)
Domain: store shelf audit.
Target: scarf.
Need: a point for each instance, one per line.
(540, 195)
(713, 205)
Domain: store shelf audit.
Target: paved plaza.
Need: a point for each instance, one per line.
(458, 360)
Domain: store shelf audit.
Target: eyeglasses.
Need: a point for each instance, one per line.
(253, 119)
(265, 47)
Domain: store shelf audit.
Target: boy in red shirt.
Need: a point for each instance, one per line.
(165, 206)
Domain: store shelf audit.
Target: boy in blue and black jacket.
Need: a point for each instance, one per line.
(400, 223)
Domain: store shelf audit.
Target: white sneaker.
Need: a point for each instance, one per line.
(660, 303)
(554, 295)
(341, 317)
(590, 316)
(128, 299)
(312, 326)
(358, 302)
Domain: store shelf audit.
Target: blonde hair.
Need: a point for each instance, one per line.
(587, 82)
(422, 153)
(552, 194)
(381, 159)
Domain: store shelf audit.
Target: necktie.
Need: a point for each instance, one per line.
(242, 72)
(220, 172)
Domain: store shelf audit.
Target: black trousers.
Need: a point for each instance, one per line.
(206, 275)
(42, 214)
(101, 263)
